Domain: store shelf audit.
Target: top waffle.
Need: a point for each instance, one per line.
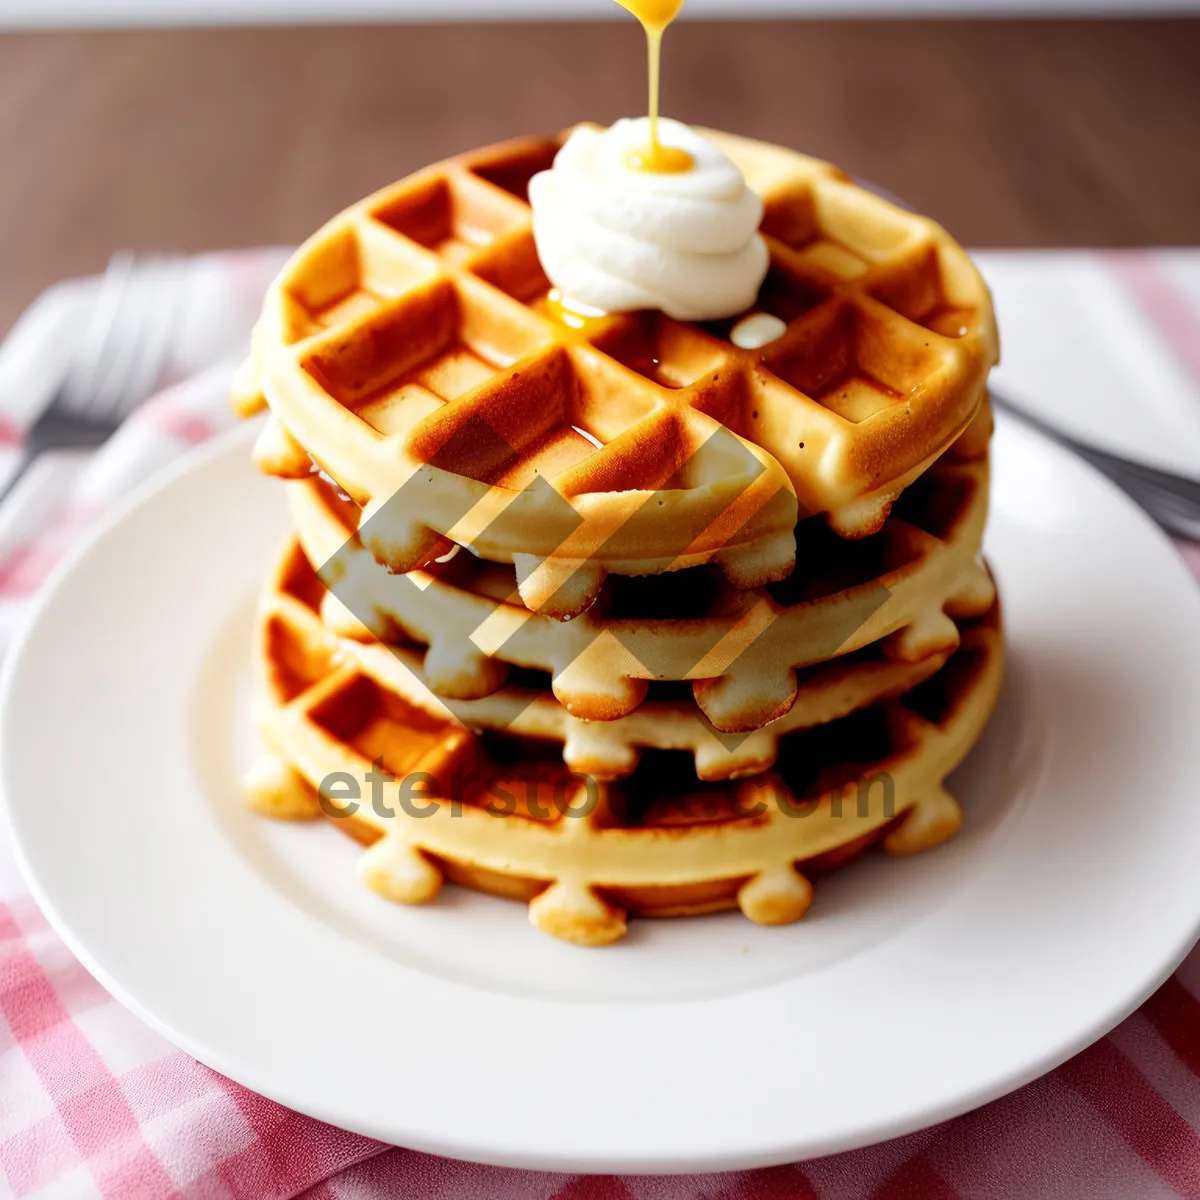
(411, 351)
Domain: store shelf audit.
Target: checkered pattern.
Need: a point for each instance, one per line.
(93, 1103)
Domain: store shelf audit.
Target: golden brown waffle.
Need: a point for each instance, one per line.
(409, 349)
(291, 617)
(740, 649)
(502, 813)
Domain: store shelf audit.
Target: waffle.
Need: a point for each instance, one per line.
(504, 814)
(293, 628)
(411, 350)
(741, 649)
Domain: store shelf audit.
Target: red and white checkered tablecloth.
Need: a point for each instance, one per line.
(93, 1103)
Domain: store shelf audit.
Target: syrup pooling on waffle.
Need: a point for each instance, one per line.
(739, 649)
(413, 340)
(508, 817)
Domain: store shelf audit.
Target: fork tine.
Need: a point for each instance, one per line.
(139, 340)
(125, 342)
(156, 344)
(88, 360)
(120, 349)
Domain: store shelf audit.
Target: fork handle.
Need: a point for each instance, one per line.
(56, 430)
(28, 457)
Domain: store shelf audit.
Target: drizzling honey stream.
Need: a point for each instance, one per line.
(655, 16)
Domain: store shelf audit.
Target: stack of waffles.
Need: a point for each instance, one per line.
(611, 615)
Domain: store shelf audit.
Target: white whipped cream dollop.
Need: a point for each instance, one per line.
(615, 239)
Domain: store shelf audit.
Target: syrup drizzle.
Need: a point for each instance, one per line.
(655, 16)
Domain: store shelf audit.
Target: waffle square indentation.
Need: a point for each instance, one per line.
(452, 216)
(411, 355)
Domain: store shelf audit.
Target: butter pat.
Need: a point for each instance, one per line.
(757, 330)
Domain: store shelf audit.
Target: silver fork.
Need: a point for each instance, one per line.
(1172, 500)
(117, 363)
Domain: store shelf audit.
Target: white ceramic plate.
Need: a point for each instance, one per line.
(913, 991)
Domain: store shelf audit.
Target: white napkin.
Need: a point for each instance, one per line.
(1105, 346)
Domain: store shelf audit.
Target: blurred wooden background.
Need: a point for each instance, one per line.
(1037, 133)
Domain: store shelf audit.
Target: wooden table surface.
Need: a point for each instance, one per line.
(1022, 133)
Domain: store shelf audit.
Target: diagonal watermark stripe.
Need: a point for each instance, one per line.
(663, 647)
(402, 513)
